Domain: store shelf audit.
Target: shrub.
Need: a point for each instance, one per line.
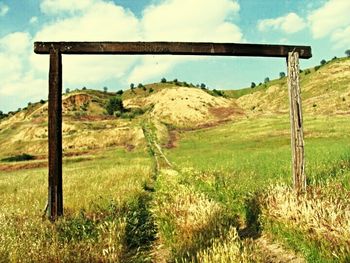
(323, 62)
(2, 115)
(151, 90)
(307, 71)
(105, 89)
(175, 81)
(114, 104)
(203, 86)
(140, 85)
(282, 75)
(218, 93)
(84, 88)
(67, 90)
(163, 80)
(42, 101)
(334, 58)
(132, 86)
(144, 88)
(18, 158)
(317, 68)
(120, 92)
(266, 80)
(347, 53)
(253, 85)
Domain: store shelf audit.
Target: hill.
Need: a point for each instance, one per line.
(324, 90)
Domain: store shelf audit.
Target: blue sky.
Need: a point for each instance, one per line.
(322, 24)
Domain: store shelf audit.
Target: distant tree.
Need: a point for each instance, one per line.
(197, 85)
(203, 86)
(347, 53)
(323, 62)
(266, 80)
(84, 88)
(282, 75)
(260, 84)
(29, 104)
(144, 88)
(307, 71)
(163, 80)
(175, 81)
(132, 86)
(334, 58)
(42, 101)
(140, 85)
(1, 115)
(317, 67)
(105, 89)
(67, 90)
(120, 92)
(253, 85)
(114, 104)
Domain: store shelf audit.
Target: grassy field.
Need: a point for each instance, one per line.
(235, 164)
(228, 187)
(105, 207)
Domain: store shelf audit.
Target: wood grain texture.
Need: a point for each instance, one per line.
(296, 122)
(55, 195)
(172, 48)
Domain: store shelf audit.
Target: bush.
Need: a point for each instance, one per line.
(18, 158)
(307, 71)
(163, 80)
(282, 75)
(203, 86)
(218, 93)
(42, 101)
(266, 80)
(140, 85)
(317, 68)
(347, 53)
(132, 86)
(114, 104)
(323, 62)
(84, 88)
(151, 90)
(105, 89)
(67, 90)
(2, 115)
(120, 92)
(253, 85)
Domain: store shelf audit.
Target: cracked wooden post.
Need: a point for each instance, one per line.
(55, 195)
(296, 122)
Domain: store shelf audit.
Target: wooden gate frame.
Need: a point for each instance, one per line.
(56, 49)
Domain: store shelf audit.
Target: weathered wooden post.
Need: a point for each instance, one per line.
(55, 195)
(296, 123)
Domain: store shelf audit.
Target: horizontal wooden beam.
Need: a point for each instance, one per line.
(171, 48)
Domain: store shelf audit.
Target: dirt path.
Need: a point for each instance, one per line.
(275, 253)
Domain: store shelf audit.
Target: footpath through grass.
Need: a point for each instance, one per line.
(233, 163)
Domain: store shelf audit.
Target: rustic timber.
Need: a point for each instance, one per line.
(56, 49)
(172, 48)
(55, 195)
(296, 123)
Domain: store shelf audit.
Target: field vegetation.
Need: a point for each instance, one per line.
(214, 186)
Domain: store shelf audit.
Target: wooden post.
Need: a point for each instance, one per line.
(55, 195)
(296, 122)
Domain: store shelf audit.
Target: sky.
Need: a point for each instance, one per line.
(322, 24)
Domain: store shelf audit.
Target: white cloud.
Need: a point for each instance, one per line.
(3, 9)
(332, 20)
(33, 20)
(290, 23)
(101, 22)
(341, 37)
(185, 20)
(333, 15)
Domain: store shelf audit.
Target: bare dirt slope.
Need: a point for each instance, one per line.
(187, 107)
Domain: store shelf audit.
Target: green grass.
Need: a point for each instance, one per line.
(99, 196)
